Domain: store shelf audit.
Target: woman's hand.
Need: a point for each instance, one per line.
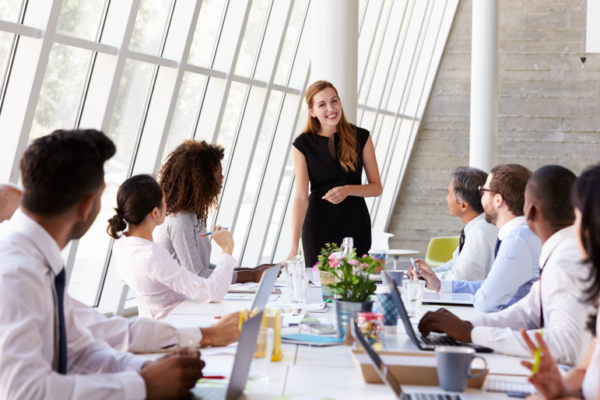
(337, 195)
(223, 238)
(548, 381)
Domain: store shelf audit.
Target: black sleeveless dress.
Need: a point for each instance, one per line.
(326, 222)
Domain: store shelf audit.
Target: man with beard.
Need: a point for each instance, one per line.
(554, 301)
(517, 252)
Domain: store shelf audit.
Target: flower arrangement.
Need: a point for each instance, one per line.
(352, 283)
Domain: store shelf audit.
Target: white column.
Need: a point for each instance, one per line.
(592, 40)
(484, 85)
(335, 49)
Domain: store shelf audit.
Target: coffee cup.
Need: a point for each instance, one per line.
(454, 367)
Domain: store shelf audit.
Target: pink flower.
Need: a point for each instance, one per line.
(364, 255)
(334, 263)
(332, 256)
(316, 265)
(353, 262)
(341, 258)
(363, 265)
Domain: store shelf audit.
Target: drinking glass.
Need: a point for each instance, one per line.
(413, 296)
(298, 278)
(259, 371)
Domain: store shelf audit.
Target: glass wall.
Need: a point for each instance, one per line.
(153, 73)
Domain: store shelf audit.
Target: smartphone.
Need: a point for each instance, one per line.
(412, 260)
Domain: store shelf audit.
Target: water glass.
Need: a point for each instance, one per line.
(413, 291)
(298, 277)
(259, 371)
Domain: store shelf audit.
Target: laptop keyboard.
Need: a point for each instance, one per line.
(438, 340)
(431, 396)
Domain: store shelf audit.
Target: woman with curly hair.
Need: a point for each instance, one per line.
(192, 178)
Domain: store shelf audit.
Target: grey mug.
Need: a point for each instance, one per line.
(454, 367)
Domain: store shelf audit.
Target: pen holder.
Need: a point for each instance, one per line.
(272, 318)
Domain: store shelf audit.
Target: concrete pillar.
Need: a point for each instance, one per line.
(334, 55)
(484, 85)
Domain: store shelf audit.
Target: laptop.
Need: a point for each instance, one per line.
(265, 287)
(241, 365)
(389, 379)
(430, 342)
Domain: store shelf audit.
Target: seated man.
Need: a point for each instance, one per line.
(141, 335)
(474, 256)
(44, 352)
(517, 248)
(554, 304)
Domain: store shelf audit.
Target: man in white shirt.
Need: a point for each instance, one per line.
(474, 256)
(558, 308)
(142, 335)
(517, 250)
(44, 352)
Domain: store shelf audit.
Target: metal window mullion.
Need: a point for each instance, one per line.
(262, 38)
(230, 74)
(287, 199)
(297, 44)
(177, 87)
(362, 78)
(134, 152)
(404, 92)
(13, 49)
(259, 128)
(389, 69)
(405, 161)
(36, 88)
(219, 32)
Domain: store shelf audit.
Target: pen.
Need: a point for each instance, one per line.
(210, 233)
(412, 260)
(538, 356)
(213, 377)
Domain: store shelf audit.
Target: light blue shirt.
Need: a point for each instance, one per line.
(515, 269)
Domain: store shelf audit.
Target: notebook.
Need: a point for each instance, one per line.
(311, 340)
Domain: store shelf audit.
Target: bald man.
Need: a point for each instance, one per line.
(554, 301)
(142, 335)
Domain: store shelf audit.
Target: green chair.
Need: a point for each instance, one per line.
(440, 250)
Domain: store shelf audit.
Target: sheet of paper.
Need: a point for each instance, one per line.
(291, 319)
(213, 351)
(448, 297)
(246, 296)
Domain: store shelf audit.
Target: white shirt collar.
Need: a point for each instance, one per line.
(45, 243)
(510, 225)
(554, 241)
(473, 222)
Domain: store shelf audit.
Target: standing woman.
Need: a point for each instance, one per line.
(330, 154)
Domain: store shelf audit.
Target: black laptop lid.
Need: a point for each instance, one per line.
(401, 309)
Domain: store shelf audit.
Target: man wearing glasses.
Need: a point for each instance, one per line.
(517, 249)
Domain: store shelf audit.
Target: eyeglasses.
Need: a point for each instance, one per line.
(482, 190)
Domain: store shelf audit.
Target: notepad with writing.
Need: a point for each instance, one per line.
(311, 340)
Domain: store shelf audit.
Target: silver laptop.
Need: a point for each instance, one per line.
(265, 287)
(241, 365)
(425, 342)
(389, 379)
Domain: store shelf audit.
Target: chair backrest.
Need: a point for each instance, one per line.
(440, 250)
(380, 240)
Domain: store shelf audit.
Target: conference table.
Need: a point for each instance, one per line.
(326, 372)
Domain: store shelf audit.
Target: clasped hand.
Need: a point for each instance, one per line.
(336, 195)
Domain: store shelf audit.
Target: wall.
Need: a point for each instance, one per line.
(548, 110)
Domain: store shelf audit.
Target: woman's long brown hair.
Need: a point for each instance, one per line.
(348, 150)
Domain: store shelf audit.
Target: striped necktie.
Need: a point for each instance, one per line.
(461, 241)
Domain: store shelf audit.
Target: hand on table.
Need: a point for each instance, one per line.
(431, 279)
(548, 381)
(173, 375)
(223, 332)
(223, 238)
(336, 195)
(443, 321)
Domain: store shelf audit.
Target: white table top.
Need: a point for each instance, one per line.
(398, 252)
(329, 371)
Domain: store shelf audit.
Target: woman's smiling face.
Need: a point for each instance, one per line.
(327, 108)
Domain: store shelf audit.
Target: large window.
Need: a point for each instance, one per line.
(153, 73)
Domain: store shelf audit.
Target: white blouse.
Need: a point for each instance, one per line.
(589, 388)
(160, 282)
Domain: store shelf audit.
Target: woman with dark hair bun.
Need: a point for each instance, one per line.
(158, 280)
(581, 381)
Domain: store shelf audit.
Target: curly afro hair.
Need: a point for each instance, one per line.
(187, 178)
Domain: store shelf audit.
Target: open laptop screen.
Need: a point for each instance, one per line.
(265, 287)
(401, 309)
